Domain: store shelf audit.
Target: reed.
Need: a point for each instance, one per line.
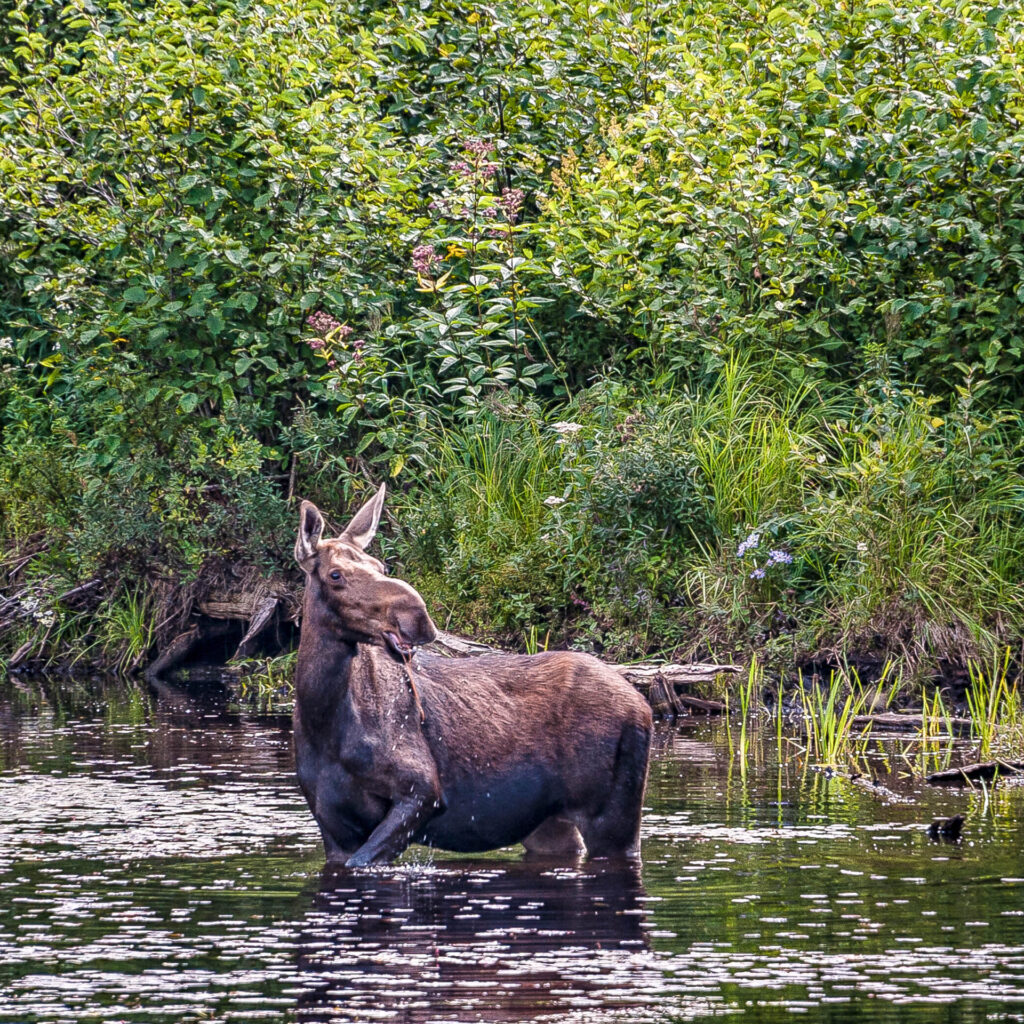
(750, 687)
(269, 682)
(995, 708)
(533, 643)
(829, 712)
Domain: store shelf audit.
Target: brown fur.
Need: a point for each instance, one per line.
(394, 747)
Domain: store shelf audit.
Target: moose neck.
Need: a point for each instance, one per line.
(324, 661)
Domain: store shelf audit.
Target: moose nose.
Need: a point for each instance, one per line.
(414, 625)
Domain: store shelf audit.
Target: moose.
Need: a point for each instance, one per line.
(395, 746)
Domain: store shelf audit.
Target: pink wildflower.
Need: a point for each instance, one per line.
(424, 259)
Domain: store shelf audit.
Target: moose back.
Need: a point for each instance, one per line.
(395, 746)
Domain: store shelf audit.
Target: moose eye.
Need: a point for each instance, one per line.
(335, 575)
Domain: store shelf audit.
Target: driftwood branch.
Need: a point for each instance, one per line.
(173, 654)
(986, 771)
(21, 654)
(79, 590)
(907, 721)
(262, 616)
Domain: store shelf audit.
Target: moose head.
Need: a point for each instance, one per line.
(349, 590)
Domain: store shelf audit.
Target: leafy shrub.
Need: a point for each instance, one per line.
(812, 179)
(650, 315)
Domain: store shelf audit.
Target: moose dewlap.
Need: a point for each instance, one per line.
(395, 746)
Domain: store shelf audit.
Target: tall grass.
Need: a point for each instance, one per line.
(829, 713)
(497, 476)
(900, 522)
(757, 513)
(476, 535)
(127, 629)
(996, 709)
(753, 435)
(912, 540)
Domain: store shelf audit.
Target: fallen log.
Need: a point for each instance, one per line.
(907, 721)
(173, 654)
(708, 707)
(663, 686)
(985, 771)
(677, 675)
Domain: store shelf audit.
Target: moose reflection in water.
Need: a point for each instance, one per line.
(393, 746)
(482, 942)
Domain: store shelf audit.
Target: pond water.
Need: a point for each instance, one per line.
(158, 864)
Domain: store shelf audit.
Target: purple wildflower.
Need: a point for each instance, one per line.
(478, 147)
(424, 259)
(757, 574)
(778, 557)
(749, 544)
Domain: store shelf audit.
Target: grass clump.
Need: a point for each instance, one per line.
(829, 713)
(996, 709)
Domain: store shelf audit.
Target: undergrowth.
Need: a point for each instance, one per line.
(806, 522)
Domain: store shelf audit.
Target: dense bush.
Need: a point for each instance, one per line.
(604, 291)
(752, 514)
(816, 179)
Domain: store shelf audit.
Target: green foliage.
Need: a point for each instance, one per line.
(811, 179)
(673, 325)
(756, 513)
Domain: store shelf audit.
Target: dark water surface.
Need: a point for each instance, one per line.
(158, 864)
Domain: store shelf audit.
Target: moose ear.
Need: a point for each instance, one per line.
(364, 524)
(311, 526)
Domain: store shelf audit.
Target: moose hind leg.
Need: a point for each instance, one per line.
(614, 830)
(555, 837)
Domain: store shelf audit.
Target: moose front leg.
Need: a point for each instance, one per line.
(400, 824)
